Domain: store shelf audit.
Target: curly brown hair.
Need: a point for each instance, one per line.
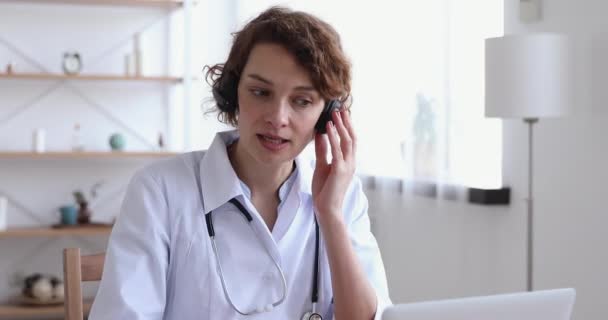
(314, 43)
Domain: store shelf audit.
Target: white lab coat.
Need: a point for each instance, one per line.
(160, 263)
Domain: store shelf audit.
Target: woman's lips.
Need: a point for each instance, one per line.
(272, 143)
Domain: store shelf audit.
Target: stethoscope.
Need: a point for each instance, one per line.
(311, 315)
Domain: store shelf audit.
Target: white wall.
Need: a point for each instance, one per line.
(434, 249)
(570, 164)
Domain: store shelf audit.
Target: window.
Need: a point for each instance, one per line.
(418, 75)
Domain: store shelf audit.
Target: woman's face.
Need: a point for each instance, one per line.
(278, 105)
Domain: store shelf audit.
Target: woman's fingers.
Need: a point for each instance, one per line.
(351, 132)
(346, 143)
(321, 150)
(332, 134)
(341, 138)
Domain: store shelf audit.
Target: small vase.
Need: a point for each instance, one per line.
(84, 214)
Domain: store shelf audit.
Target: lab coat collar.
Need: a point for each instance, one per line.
(305, 167)
(219, 182)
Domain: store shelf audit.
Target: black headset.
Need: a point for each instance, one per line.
(226, 87)
(330, 107)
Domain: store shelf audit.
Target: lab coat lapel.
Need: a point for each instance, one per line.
(300, 190)
(262, 230)
(219, 182)
(286, 215)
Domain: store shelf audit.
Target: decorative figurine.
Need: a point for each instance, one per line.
(10, 67)
(76, 139)
(43, 288)
(117, 142)
(161, 141)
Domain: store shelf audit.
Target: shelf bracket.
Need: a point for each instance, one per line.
(22, 108)
(22, 207)
(15, 263)
(23, 55)
(110, 116)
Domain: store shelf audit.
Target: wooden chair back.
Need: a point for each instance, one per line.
(77, 268)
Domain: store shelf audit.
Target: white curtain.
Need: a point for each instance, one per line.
(418, 73)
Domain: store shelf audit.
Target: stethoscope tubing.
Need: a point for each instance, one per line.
(247, 216)
(224, 288)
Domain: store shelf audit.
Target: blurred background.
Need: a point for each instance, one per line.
(91, 90)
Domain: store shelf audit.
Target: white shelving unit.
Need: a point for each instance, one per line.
(26, 158)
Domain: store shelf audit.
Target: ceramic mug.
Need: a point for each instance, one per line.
(69, 214)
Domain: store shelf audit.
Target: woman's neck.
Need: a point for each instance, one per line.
(259, 177)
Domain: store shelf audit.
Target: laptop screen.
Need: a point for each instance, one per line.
(537, 305)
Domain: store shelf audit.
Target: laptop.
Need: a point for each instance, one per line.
(537, 305)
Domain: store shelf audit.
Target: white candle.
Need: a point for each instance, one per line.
(137, 55)
(38, 142)
(138, 63)
(3, 212)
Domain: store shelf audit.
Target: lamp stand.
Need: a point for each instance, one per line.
(530, 206)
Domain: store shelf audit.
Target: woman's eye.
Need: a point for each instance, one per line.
(259, 92)
(303, 102)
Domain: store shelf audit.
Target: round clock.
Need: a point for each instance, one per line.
(72, 64)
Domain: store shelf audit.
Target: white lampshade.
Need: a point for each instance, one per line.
(529, 76)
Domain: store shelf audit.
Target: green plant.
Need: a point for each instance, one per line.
(80, 198)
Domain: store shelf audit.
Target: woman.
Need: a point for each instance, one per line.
(250, 229)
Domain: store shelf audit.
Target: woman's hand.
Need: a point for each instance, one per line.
(331, 180)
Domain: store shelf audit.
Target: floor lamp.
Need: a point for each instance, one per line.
(528, 77)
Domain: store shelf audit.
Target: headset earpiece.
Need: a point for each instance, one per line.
(325, 116)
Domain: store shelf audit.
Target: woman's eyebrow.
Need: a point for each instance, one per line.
(305, 88)
(262, 79)
(259, 78)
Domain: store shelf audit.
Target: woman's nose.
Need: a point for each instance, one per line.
(278, 114)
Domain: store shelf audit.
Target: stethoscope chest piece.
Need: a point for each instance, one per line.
(312, 316)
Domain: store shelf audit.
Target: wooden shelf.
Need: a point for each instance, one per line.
(133, 3)
(8, 310)
(55, 232)
(84, 155)
(87, 77)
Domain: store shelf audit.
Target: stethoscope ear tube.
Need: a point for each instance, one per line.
(209, 221)
(315, 283)
(211, 231)
(313, 315)
(242, 209)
